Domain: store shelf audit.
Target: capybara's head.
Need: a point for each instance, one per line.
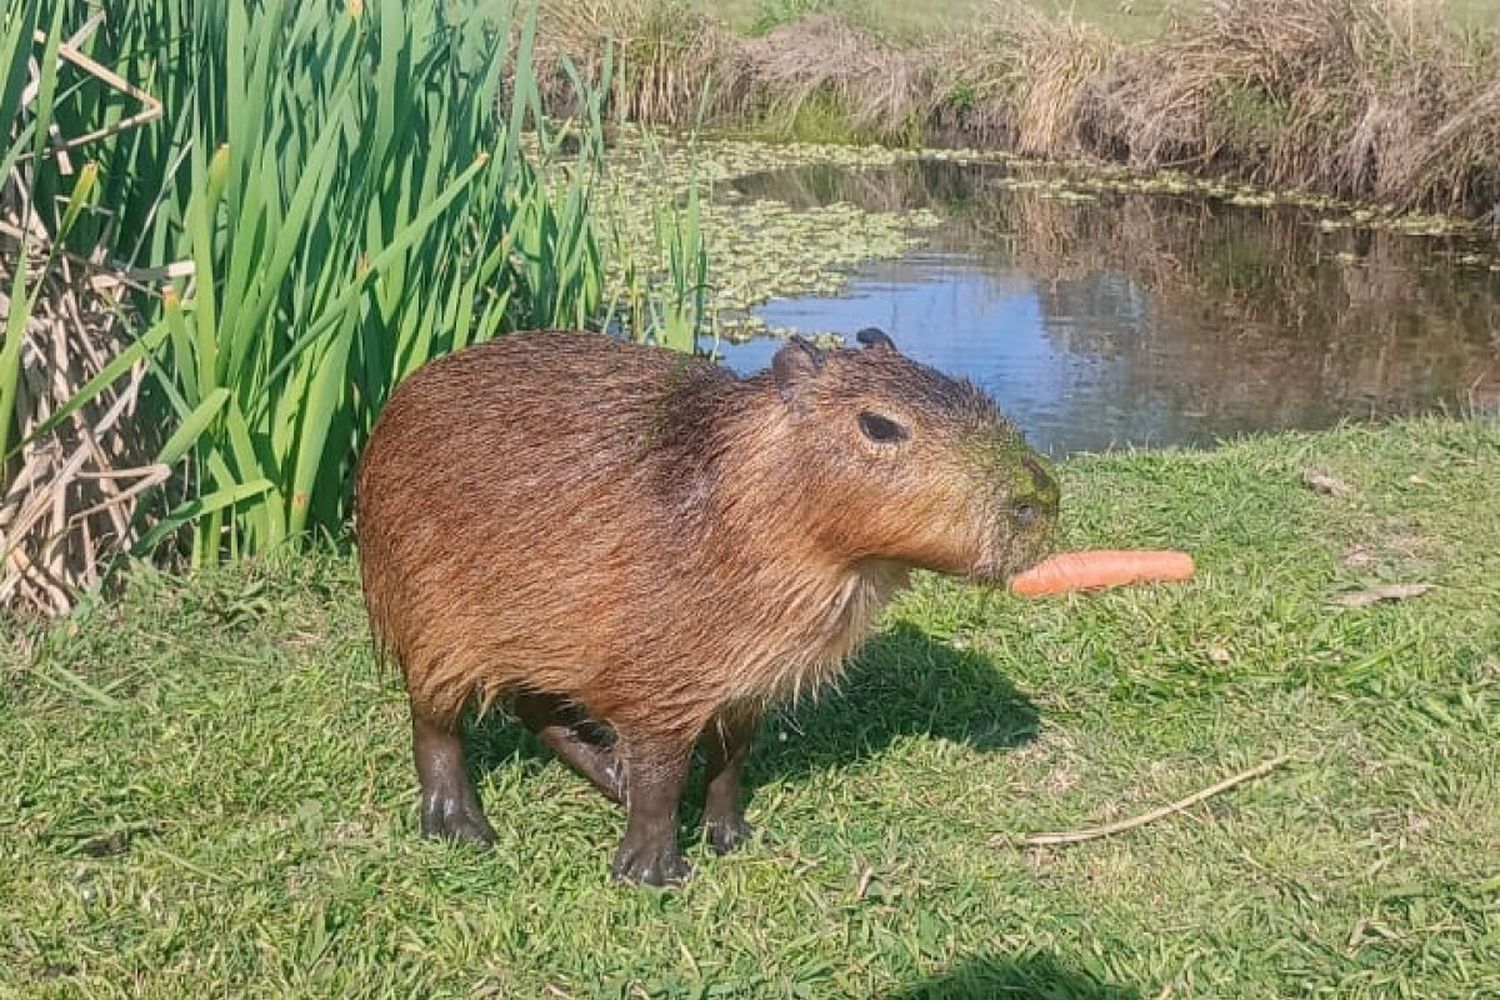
(905, 464)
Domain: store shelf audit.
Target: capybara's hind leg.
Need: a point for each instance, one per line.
(728, 737)
(655, 772)
(565, 728)
(450, 809)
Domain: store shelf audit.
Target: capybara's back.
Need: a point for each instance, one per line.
(507, 507)
(633, 547)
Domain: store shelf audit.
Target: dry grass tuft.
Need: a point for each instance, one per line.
(1369, 99)
(878, 86)
(667, 57)
(1028, 83)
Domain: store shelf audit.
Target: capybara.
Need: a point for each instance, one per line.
(638, 548)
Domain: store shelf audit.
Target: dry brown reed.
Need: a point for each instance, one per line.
(71, 494)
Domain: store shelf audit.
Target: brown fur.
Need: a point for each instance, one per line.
(656, 540)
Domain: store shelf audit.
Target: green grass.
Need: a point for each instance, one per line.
(208, 789)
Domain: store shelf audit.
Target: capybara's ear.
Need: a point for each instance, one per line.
(876, 338)
(794, 364)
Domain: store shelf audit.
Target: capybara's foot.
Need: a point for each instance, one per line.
(728, 833)
(450, 809)
(729, 738)
(648, 855)
(650, 864)
(452, 817)
(576, 740)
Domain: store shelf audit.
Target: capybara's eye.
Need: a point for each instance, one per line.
(883, 430)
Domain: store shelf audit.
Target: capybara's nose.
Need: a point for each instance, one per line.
(1040, 477)
(1041, 500)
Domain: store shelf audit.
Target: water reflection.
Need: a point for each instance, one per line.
(1140, 319)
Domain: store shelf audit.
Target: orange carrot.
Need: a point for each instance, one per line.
(1101, 568)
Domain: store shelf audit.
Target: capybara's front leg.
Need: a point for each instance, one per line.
(729, 737)
(562, 727)
(655, 771)
(450, 809)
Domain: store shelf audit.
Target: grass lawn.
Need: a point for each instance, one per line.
(206, 786)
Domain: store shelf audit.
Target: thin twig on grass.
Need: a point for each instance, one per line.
(1109, 829)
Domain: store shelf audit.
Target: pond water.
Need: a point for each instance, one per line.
(1131, 319)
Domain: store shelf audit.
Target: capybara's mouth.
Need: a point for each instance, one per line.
(1015, 554)
(1014, 560)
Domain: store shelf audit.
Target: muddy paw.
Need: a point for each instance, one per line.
(650, 866)
(453, 818)
(728, 833)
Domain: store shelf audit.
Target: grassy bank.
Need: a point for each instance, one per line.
(1383, 101)
(211, 788)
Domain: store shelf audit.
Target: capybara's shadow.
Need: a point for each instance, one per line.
(1027, 976)
(903, 683)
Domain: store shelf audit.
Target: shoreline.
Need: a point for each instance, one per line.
(1360, 101)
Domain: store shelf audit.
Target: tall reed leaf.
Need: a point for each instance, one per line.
(358, 187)
(342, 190)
